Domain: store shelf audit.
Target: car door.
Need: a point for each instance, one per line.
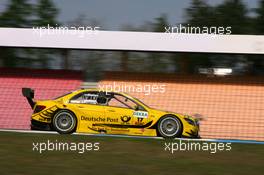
(119, 115)
(86, 104)
(125, 112)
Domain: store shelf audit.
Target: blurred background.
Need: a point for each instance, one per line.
(245, 17)
(228, 89)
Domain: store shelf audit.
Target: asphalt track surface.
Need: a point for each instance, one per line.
(138, 137)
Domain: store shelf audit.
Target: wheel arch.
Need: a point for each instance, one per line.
(68, 110)
(155, 126)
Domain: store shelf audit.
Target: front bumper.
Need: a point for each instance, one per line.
(192, 131)
(192, 134)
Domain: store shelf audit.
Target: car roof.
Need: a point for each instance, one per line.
(102, 90)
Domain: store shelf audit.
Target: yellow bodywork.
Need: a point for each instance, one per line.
(93, 118)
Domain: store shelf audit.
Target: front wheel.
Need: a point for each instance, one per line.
(169, 127)
(64, 122)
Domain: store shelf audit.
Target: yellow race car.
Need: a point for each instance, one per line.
(95, 111)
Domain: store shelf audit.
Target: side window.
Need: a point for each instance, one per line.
(122, 102)
(113, 102)
(85, 98)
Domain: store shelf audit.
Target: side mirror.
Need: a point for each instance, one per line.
(139, 108)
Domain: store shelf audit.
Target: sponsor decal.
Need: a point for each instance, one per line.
(93, 119)
(124, 126)
(104, 130)
(100, 130)
(140, 114)
(99, 119)
(125, 119)
(140, 121)
(115, 120)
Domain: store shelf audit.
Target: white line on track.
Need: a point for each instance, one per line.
(138, 137)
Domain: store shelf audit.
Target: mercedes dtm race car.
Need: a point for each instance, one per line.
(95, 111)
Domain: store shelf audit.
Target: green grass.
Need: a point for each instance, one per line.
(122, 156)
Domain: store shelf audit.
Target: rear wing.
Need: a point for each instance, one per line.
(29, 94)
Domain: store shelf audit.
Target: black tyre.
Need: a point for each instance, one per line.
(64, 122)
(169, 127)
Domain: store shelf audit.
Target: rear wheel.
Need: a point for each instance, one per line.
(64, 122)
(169, 127)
